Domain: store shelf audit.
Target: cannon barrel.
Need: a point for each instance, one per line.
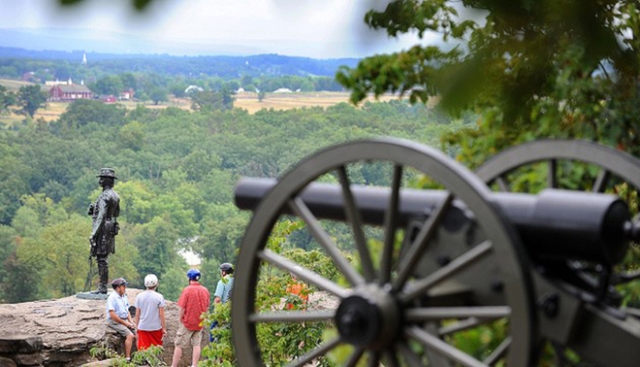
(554, 224)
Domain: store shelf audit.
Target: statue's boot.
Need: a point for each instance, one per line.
(104, 278)
(102, 289)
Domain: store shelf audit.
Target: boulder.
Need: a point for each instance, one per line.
(61, 332)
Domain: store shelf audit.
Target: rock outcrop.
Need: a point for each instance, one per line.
(60, 332)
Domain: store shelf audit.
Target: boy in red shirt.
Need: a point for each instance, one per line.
(193, 302)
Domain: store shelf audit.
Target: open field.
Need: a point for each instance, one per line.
(14, 85)
(287, 101)
(244, 100)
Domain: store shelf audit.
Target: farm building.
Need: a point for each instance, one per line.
(64, 92)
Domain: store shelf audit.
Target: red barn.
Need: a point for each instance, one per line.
(64, 92)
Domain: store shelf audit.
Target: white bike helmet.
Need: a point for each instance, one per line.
(150, 281)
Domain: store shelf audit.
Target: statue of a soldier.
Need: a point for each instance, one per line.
(105, 226)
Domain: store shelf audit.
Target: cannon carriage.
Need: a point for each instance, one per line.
(430, 264)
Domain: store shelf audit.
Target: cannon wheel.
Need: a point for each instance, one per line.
(610, 161)
(612, 165)
(560, 156)
(378, 315)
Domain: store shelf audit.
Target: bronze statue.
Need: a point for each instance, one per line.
(105, 226)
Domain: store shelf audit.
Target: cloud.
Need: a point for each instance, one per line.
(319, 28)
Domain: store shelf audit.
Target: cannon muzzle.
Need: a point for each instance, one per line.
(554, 224)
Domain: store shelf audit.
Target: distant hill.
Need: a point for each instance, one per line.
(223, 66)
(69, 45)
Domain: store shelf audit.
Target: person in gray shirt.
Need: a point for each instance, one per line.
(149, 319)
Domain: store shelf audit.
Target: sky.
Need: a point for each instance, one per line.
(311, 28)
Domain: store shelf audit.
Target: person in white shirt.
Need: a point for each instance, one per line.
(150, 321)
(118, 316)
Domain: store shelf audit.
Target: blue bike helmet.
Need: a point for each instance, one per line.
(193, 274)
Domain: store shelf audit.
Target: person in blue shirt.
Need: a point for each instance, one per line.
(225, 284)
(118, 316)
(222, 293)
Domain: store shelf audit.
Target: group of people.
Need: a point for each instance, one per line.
(149, 325)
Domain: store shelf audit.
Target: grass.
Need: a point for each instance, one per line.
(14, 85)
(286, 101)
(245, 100)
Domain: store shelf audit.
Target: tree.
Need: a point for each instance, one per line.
(542, 68)
(21, 281)
(109, 85)
(7, 99)
(261, 95)
(57, 254)
(158, 95)
(84, 111)
(31, 98)
(128, 81)
(8, 237)
(211, 101)
(178, 89)
(156, 243)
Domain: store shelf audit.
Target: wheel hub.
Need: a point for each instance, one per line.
(370, 317)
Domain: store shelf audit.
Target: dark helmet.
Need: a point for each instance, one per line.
(193, 274)
(107, 172)
(118, 282)
(227, 268)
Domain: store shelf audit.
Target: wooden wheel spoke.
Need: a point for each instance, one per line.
(410, 358)
(419, 245)
(390, 225)
(552, 172)
(355, 357)
(499, 352)
(460, 263)
(390, 359)
(502, 184)
(462, 325)
(300, 208)
(292, 316)
(374, 359)
(321, 350)
(417, 315)
(354, 217)
(600, 184)
(442, 348)
(304, 274)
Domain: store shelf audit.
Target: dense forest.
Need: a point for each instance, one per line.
(176, 170)
(147, 73)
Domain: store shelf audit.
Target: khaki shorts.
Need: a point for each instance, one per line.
(121, 329)
(186, 337)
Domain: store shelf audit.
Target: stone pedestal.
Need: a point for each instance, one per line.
(93, 296)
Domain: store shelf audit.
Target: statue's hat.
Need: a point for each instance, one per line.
(107, 172)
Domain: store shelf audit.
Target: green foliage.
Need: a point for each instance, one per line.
(279, 341)
(151, 356)
(173, 281)
(156, 242)
(31, 98)
(176, 171)
(219, 352)
(158, 95)
(212, 100)
(85, 111)
(108, 86)
(530, 69)
(7, 99)
(8, 238)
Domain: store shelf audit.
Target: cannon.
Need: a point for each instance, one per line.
(537, 261)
